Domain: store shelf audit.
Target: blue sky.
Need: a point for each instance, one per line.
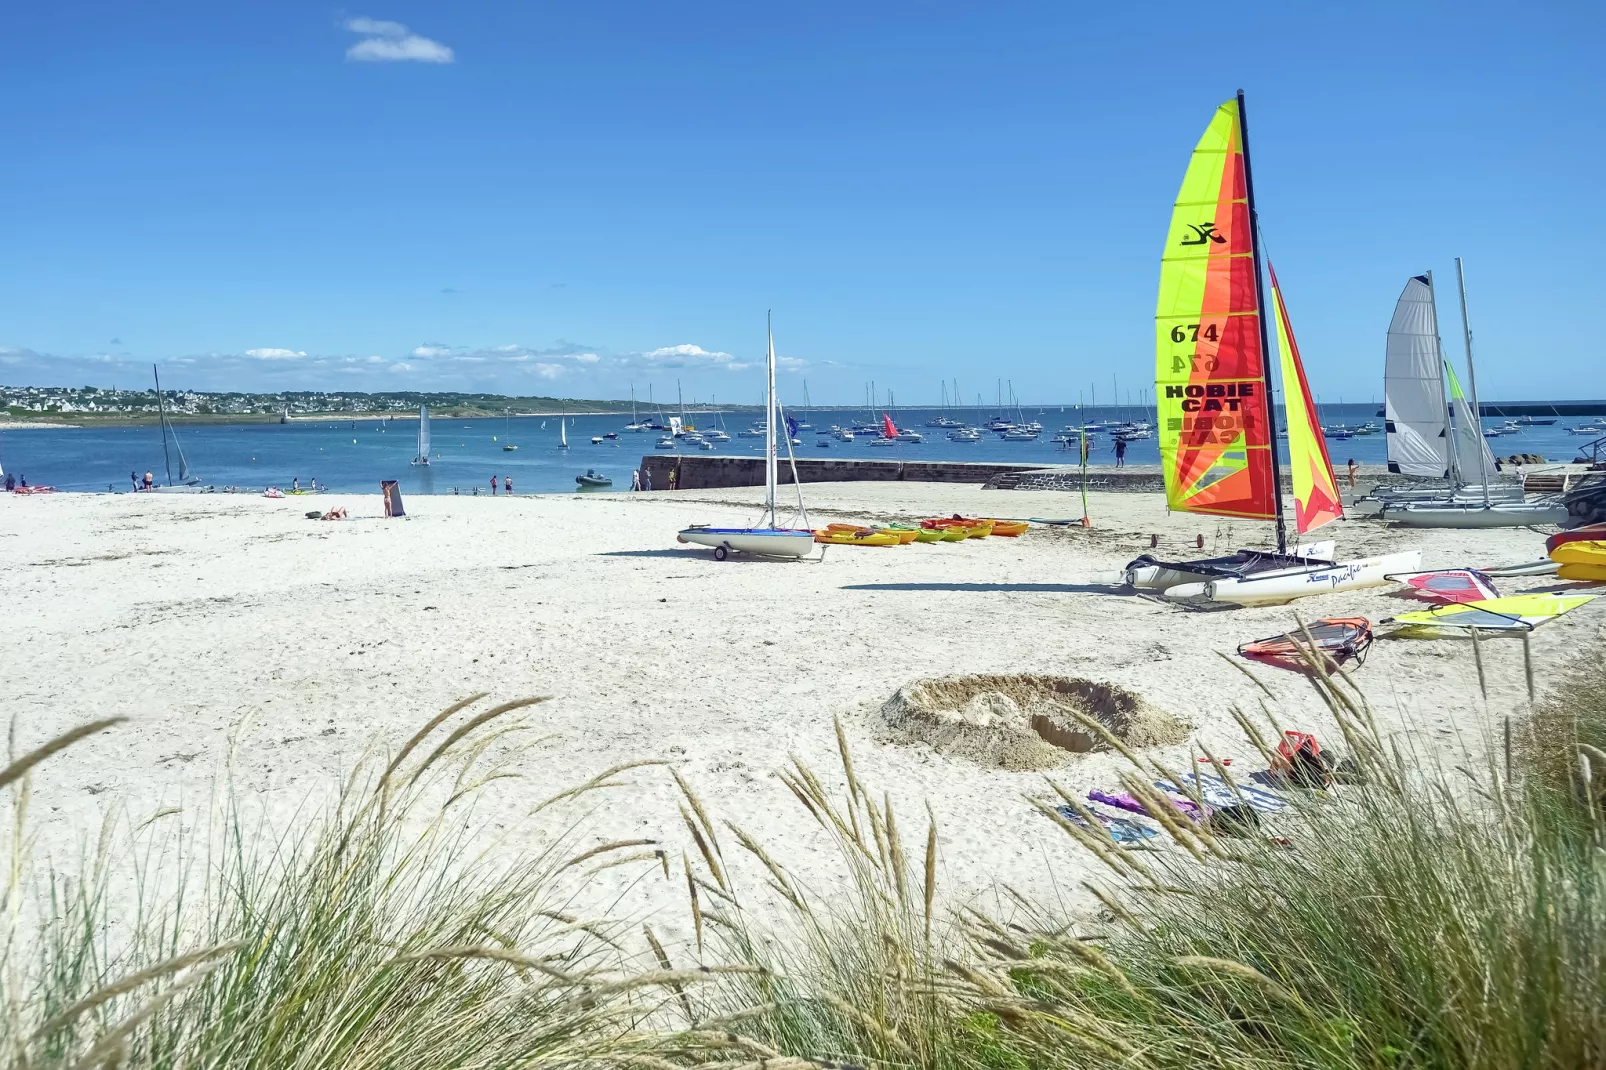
(568, 197)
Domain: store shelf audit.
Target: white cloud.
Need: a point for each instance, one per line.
(548, 371)
(274, 354)
(432, 349)
(391, 42)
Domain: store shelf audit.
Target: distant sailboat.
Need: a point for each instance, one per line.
(635, 421)
(507, 432)
(563, 431)
(422, 459)
(188, 482)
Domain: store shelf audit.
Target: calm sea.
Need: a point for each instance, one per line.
(355, 456)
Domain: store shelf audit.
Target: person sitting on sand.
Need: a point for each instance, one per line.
(335, 514)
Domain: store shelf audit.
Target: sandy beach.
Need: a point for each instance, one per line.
(208, 618)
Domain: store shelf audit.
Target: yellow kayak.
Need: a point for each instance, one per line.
(904, 535)
(856, 537)
(981, 529)
(1582, 552)
(1589, 573)
(930, 535)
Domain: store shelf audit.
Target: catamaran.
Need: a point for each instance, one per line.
(1427, 438)
(1213, 383)
(768, 539)
(422, 460)
(188, 482)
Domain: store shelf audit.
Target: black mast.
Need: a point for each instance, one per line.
(1265, 342)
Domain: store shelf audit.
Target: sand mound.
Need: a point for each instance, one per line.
(1023, 722)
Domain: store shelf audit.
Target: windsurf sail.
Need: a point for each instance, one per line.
(1316, 500)
(1339, 639)
(1518, 613)
(1215, 445)
(1450, 585)
(886, 425)
(1466, 440)
(1413, 385)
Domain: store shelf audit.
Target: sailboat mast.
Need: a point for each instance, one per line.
(161, 410)
(1451, 456)
(1265, 340)
(1472, 381)
(770, 474)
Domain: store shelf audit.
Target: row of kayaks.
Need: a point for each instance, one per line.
(944, 529)
(1581, 553)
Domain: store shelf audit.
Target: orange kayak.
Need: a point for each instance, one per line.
(1009, 528)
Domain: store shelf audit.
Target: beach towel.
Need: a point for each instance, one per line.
(1121, 830)
(1122, 801)
(1216, 792)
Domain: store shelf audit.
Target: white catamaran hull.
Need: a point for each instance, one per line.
(1164, 577)
(1474, 514)
(767, 542)
(1276, 588)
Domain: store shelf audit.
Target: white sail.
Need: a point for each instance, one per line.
(423, 435)
(1413, 385)
(563, 432)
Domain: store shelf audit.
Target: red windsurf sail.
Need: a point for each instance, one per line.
(886, 423)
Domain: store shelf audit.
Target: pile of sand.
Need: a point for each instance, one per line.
(1023, 722)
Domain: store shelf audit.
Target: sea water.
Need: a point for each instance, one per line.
(354, 455)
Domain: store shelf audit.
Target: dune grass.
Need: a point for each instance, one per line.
(1429, 918)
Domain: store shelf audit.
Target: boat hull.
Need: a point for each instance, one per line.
(1474, 514)
(765, 542)
(1282, 586)
(1162, 577)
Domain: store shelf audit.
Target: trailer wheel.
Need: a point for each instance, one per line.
(721, 553)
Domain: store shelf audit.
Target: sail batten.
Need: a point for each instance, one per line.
(1215, 445)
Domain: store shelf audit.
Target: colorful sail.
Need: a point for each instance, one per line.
(1209, 380)
(887, 426)
(1466, 437)
(1316, 500)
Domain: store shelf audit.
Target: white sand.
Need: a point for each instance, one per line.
(199, 616)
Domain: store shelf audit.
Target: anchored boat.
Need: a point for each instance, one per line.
(1213, 384)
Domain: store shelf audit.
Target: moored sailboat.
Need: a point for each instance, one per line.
(1213, 384)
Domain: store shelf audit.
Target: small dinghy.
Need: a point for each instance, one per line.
(593, 479)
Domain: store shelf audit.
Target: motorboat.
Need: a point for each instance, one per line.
(593, 479)
(666, 443)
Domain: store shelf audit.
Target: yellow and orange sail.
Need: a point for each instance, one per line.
(1215, 441)
(1316, 500)
(1212, 381)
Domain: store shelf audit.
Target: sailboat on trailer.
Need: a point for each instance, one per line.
(768, 539)
(1213, 385)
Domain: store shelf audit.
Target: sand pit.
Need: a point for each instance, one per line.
(1023, 722)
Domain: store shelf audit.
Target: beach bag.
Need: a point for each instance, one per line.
(1300, 759)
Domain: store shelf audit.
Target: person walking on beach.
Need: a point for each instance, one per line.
(1352, 469)
(493, 486)
(11, 482)
(507, 484)
(1120, 452)
(133, 477)
(635, 480)
(646, 479)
